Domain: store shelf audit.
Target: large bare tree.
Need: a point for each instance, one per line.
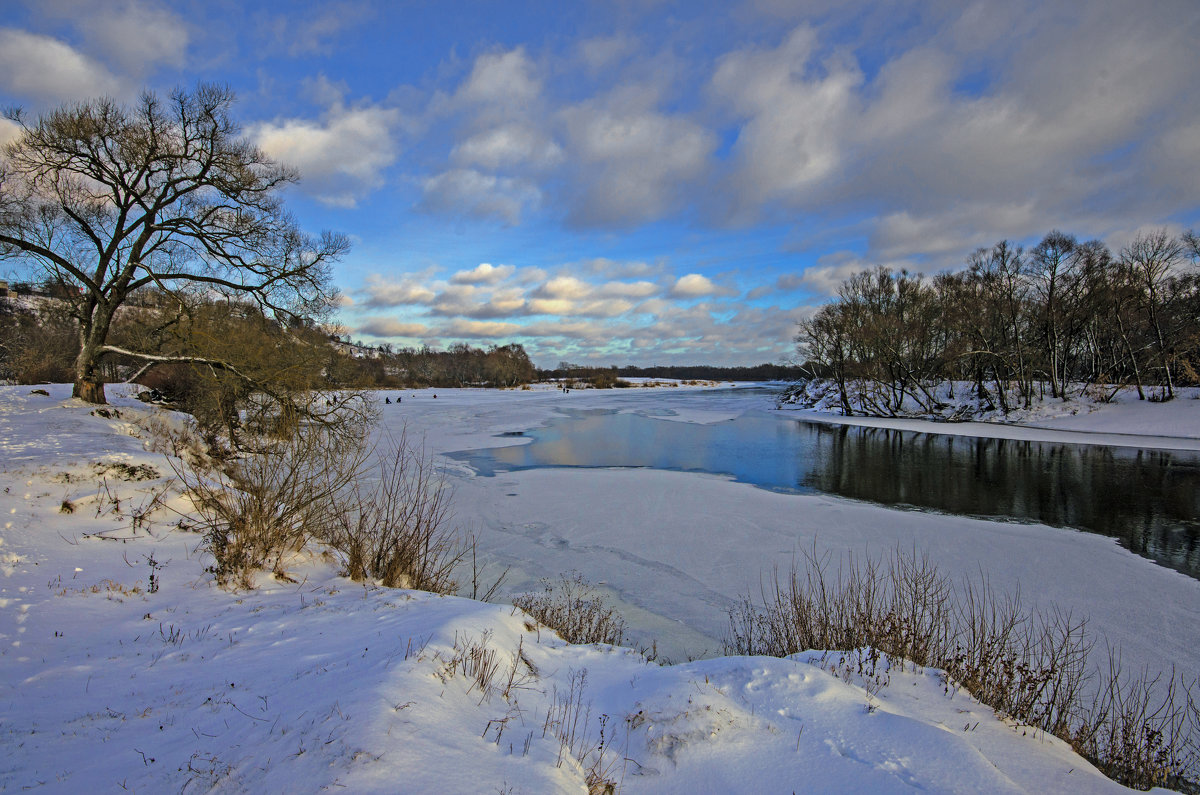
(107, 200)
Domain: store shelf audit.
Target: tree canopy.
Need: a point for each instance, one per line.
(106, 200)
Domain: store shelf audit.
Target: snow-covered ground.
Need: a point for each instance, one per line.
(323, 683)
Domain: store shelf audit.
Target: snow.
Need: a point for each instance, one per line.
(324, 683)
(1123, 421)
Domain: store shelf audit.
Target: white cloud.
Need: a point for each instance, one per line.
(954, 233)
(137, 35)
(551, 306)
(43, 68)
(342, 157)
(796, 118)
(640, 289)
(694, 285)
(602, 52)
(567, 287)
(508, 145)
(465, 191)
(468, 300)
(9, 132)
(390, 327)
(502, 78)
(479, 329)
(634, 164)
(484, 273)
(381, 292)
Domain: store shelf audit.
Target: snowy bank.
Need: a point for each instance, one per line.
(1123, 421)
(111, 683)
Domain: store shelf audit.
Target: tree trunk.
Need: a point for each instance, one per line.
(89, 385)
(89, 391)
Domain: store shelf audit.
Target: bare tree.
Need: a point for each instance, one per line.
(1151, 258)
(107, 200)
(1051, 268)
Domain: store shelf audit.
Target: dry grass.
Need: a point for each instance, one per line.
(573, 609)
(1033, 667)
(397, 529)
(389, 522)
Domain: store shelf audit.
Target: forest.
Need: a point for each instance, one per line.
(1057, 320)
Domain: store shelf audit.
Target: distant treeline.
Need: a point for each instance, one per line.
(1057, 319)
(698, 372)
(39, 342)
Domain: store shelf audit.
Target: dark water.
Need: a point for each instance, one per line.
(1147, 499)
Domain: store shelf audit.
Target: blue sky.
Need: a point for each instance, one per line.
(656, 182)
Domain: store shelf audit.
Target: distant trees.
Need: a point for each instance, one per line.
(459, 366)
(1061, 317)
(107, 201)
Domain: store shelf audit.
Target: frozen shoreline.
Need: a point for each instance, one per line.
(1123, 422)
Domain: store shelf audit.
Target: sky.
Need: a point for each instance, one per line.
(649, 182)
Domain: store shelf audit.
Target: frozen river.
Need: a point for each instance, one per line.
(677, 548)
(1149, 500)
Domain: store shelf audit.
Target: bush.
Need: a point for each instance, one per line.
(397, 529)
(318, 484)
(573, 609)
(255, 509)
(1032, 667)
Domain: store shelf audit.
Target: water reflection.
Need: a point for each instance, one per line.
(1148, 499)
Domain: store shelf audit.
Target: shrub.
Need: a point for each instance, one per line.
(573, 609)
(254, 509)
(1032, 667)
(397, 529)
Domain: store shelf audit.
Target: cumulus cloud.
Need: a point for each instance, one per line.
(633, 164)
(139, 36)
(136, 36)
(465, 191)
(341, 157)
(952, 233)
(381, 292)
(567, 287)
(502, 78)
(508, 145)
(9, 132)
(484, 273)
(44, 68)
(390, 327)
(479, 329)
(469, 300)
(794, 117)
(694, 285)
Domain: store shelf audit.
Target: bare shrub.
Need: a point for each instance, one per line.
(254, 509)
(1033, 667)
(1142, 730)
(319, 483)
(573, 609)
(397, 529)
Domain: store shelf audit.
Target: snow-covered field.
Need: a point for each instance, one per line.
(324, 684)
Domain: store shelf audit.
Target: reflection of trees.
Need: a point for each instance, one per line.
(1148, 499)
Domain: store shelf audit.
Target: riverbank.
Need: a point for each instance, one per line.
(1124, 421)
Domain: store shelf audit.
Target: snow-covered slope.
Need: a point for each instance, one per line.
(106, 686)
